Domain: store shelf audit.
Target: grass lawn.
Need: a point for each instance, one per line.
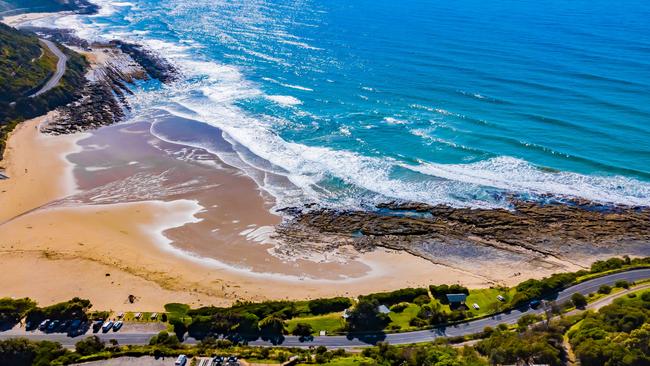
(332, 322)
(348, 361)
(402, 319)
(486, 298)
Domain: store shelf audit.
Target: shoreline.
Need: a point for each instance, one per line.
(171, 223)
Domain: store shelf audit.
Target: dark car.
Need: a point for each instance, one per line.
(54, 324)
(97, 325)
(44, 324)
(217, 361)
(64, 325)
(535, 303)
(75, 324)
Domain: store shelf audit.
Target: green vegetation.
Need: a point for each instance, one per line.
(579, 300)
(331, 323)
(12, 310)
(429, 354)
(619, 334)
(73, 309)
(394, 297)
(25, 65)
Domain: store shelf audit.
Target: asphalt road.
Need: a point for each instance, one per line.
(60, 68)
(470, 327)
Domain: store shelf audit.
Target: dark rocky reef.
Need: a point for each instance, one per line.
(531, 230)
(155, 66)
(102, 101)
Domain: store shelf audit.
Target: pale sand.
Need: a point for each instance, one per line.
(16, 20)
(38, 172)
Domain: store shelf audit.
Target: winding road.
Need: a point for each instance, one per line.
(471, 327)
(60, 68)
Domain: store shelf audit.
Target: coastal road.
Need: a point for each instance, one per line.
(60, 68)
(462, 329)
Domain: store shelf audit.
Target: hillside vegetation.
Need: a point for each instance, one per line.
(26, 65)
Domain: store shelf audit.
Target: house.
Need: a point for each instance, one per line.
(456, 300)
(383, 309)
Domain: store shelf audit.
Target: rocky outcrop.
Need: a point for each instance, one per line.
(532, 229)
(155, 66)
(102, 101)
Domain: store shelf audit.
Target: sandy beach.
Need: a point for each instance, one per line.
(56, 243)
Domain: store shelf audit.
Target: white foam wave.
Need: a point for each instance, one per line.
(517, 175)
(284, 99)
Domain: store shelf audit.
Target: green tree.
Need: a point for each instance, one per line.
(272, 325)
(366, 316)
(579, 300)
(89, 346)
(302, 330)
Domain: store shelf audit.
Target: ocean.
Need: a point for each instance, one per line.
(350, 103)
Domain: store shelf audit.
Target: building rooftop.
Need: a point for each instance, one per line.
(456, 297)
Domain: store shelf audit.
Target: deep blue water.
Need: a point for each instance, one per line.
(357, 101)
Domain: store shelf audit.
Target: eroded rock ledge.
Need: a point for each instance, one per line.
(546, 234)
(114, 67)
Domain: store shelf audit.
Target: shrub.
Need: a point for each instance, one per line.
(604, 289)
(324, 306)
(398, 308)
(579, 300)
(89, 346)
(302, 330)
(422, 299)
(622, 284)
(394, 297)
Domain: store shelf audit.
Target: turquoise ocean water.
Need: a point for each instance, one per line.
(349, 103)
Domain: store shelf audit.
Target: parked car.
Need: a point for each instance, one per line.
(181, 360)
(501, 298)
(75, 324)
(44, 324)
(534, 304)
(120, 315)
(107, 326)
(475, 306)
(54, 324)
(138, 315)
(97, 325)
(117, 325)
(217, 361)
(154, 316)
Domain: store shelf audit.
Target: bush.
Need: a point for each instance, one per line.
(622, 284)
(302, 330)
(607, 265)
(579, 300)
(604, 289)
(89, 346)
(422, 299)
(394, 297)
(164, 339)
(324, 306)
(398, 308)
(366, 317)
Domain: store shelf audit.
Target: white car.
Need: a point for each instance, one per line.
(181, 360)
(475, 306)
(117, 325)
(501, 298)
(107, 326)
(138, 315)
